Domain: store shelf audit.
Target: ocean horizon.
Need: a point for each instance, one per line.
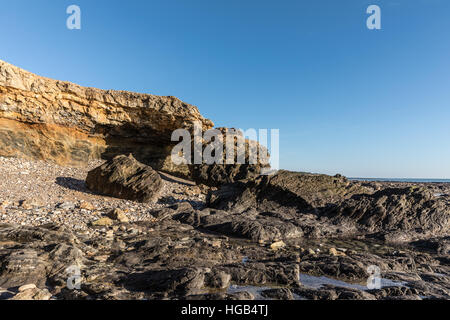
(412, 180)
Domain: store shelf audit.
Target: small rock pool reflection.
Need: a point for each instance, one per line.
(312, 282)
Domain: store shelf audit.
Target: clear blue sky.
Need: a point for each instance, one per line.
(346, 99)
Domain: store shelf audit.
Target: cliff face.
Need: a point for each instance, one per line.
(41, 118)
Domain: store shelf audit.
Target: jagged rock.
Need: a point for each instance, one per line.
(396, 211)
(329, 292)
(182, 281)
(219, 174)
(218, 279)
(118, 215)
(251, 226)
(32, 294)
(241, 295)
(252, 163)
(277, 245)
(176, 261)
(263, 273)
(27, 287)
(344, 267)
(438, 245)
(102, 222)
(21, 267)
(125, 178)
(392, 214)
(300, 191)
(278, 294)
(390, 292)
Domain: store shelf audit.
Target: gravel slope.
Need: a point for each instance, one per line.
(37, 192)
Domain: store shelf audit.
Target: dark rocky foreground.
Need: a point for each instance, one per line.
(126, 230)
(287, 236)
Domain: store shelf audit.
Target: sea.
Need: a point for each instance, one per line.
(403, 180)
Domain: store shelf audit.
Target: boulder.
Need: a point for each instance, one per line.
(22, 267)
(102, 222)
(125, 178)
(223, 173)
(118, 215)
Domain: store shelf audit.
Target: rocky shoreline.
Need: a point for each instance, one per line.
(290, 236)
(92, 206)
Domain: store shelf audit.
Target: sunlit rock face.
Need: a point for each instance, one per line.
(46, 119)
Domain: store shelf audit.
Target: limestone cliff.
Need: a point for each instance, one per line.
(41, 118)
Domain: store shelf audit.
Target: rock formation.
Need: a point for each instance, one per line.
(46, 119)
(403, 211)
(220, 174)
(125, 178)
(295, 232)
(302, 191)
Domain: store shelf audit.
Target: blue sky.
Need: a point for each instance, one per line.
(363, 103)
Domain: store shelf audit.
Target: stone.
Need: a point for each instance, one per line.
(29, 204)
(125, 178)
(86, 206)
(186, 280)
(278, 294)
(192, 191)
(27, 287)
(102, 222)
(250, 226)
(4, 203)
(119, 215)
(218, 279)
(222, 173)
(22, 267)
(334, 252)
(66, 206)
(33, 294)
(277, 245)
(216, 243)
(178, 262)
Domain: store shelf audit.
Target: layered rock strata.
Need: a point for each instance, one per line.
(46, 119)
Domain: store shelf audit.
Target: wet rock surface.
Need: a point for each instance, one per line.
(284, 190)
(171, 260)
(247, 245)
(405, 211)
(320, 205)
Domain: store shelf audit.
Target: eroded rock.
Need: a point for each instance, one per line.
(125, 178)
(399, 214)
(285, 189)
